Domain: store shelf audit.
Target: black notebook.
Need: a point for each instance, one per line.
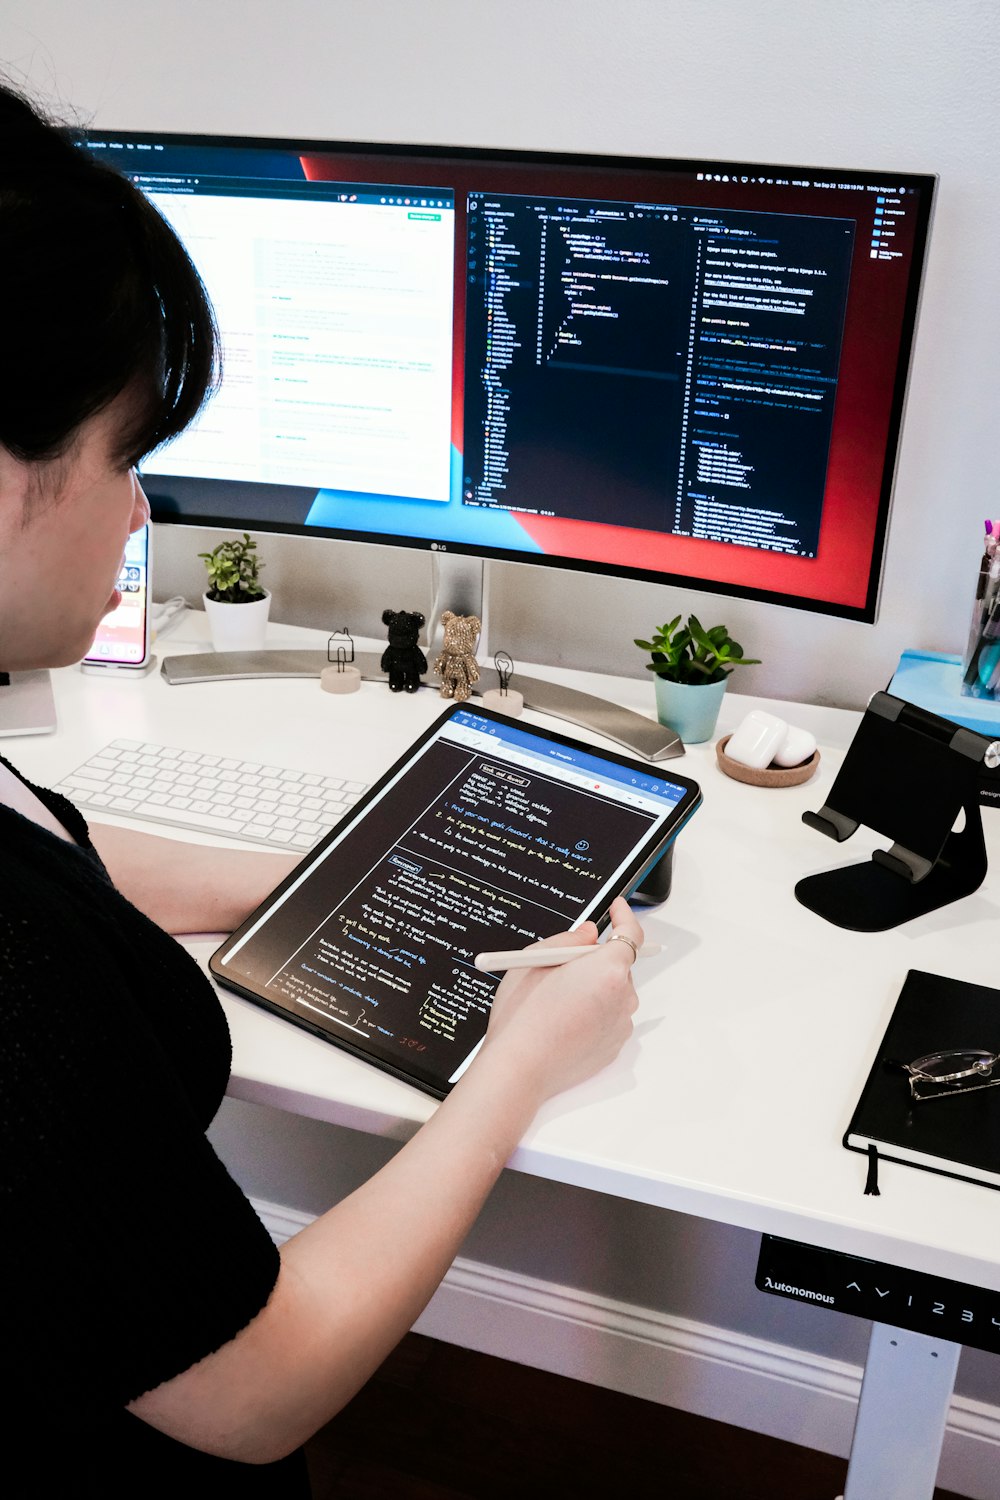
(958, 1135)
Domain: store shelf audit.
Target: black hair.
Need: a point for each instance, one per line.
(97, 297)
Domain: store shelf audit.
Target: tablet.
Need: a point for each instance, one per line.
(487, 834)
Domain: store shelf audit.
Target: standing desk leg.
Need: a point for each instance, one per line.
(901, 1418)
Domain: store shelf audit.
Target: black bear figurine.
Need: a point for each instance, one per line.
(402, 658)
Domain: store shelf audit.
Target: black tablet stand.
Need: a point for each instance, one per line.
(654, 887)
(907, 775)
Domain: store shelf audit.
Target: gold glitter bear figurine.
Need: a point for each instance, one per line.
(456, 666)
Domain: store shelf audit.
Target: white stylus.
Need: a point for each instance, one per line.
(545, 958)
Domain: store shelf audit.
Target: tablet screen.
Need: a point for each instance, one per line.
(488, 834)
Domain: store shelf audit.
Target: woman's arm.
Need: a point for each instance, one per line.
(353, 1282)
(188, 887)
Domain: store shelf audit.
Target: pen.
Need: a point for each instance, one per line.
(545, 958)
(987, 605)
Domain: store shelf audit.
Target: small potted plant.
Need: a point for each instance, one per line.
(236, 602)
(692, 666)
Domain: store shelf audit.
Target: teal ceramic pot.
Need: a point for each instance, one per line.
(693, 711)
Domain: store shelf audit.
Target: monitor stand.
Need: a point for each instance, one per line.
(26, 703)
(642, 736)
(462, 584)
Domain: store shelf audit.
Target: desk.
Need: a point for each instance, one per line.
(757, 1024)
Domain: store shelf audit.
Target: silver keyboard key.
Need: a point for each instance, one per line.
(210, 822)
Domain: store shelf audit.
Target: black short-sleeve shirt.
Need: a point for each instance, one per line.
(127, 1252)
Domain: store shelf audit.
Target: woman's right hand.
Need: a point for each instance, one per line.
(357, 1277)
(562, 1025)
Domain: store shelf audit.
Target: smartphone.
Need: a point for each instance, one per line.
(122, 639)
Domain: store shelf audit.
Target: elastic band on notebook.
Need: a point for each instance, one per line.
(871, 1181)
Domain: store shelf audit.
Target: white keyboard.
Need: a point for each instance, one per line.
(211, 793)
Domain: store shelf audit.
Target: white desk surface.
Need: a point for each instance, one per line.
(757, 1025)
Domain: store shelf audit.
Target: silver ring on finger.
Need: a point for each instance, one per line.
(620, 937)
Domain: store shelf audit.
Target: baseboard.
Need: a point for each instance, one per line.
(719, 1373)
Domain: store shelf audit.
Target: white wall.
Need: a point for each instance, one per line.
(908, 84)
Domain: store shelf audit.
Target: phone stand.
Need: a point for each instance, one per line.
(908, 775)
(122, 669)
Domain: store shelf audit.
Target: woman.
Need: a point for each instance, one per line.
(155, 1333)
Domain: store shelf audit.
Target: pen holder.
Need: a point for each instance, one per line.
(981, 661)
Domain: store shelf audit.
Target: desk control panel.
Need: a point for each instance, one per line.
(948, 1310)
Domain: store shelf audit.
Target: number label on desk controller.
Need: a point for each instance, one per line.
(933, 1305)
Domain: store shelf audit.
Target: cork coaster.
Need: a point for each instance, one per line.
(770, 775)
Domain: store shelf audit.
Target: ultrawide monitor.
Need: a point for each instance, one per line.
(687, 372)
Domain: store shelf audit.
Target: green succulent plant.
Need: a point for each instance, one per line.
(233, 570)
(692, 654)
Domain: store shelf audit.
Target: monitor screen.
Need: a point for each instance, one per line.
(685, 372)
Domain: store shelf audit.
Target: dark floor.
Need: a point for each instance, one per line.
(441, 1423)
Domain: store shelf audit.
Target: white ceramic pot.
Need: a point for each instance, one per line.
(691, 710)
(238, 627)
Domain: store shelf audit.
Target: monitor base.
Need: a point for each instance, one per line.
(644, 737)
